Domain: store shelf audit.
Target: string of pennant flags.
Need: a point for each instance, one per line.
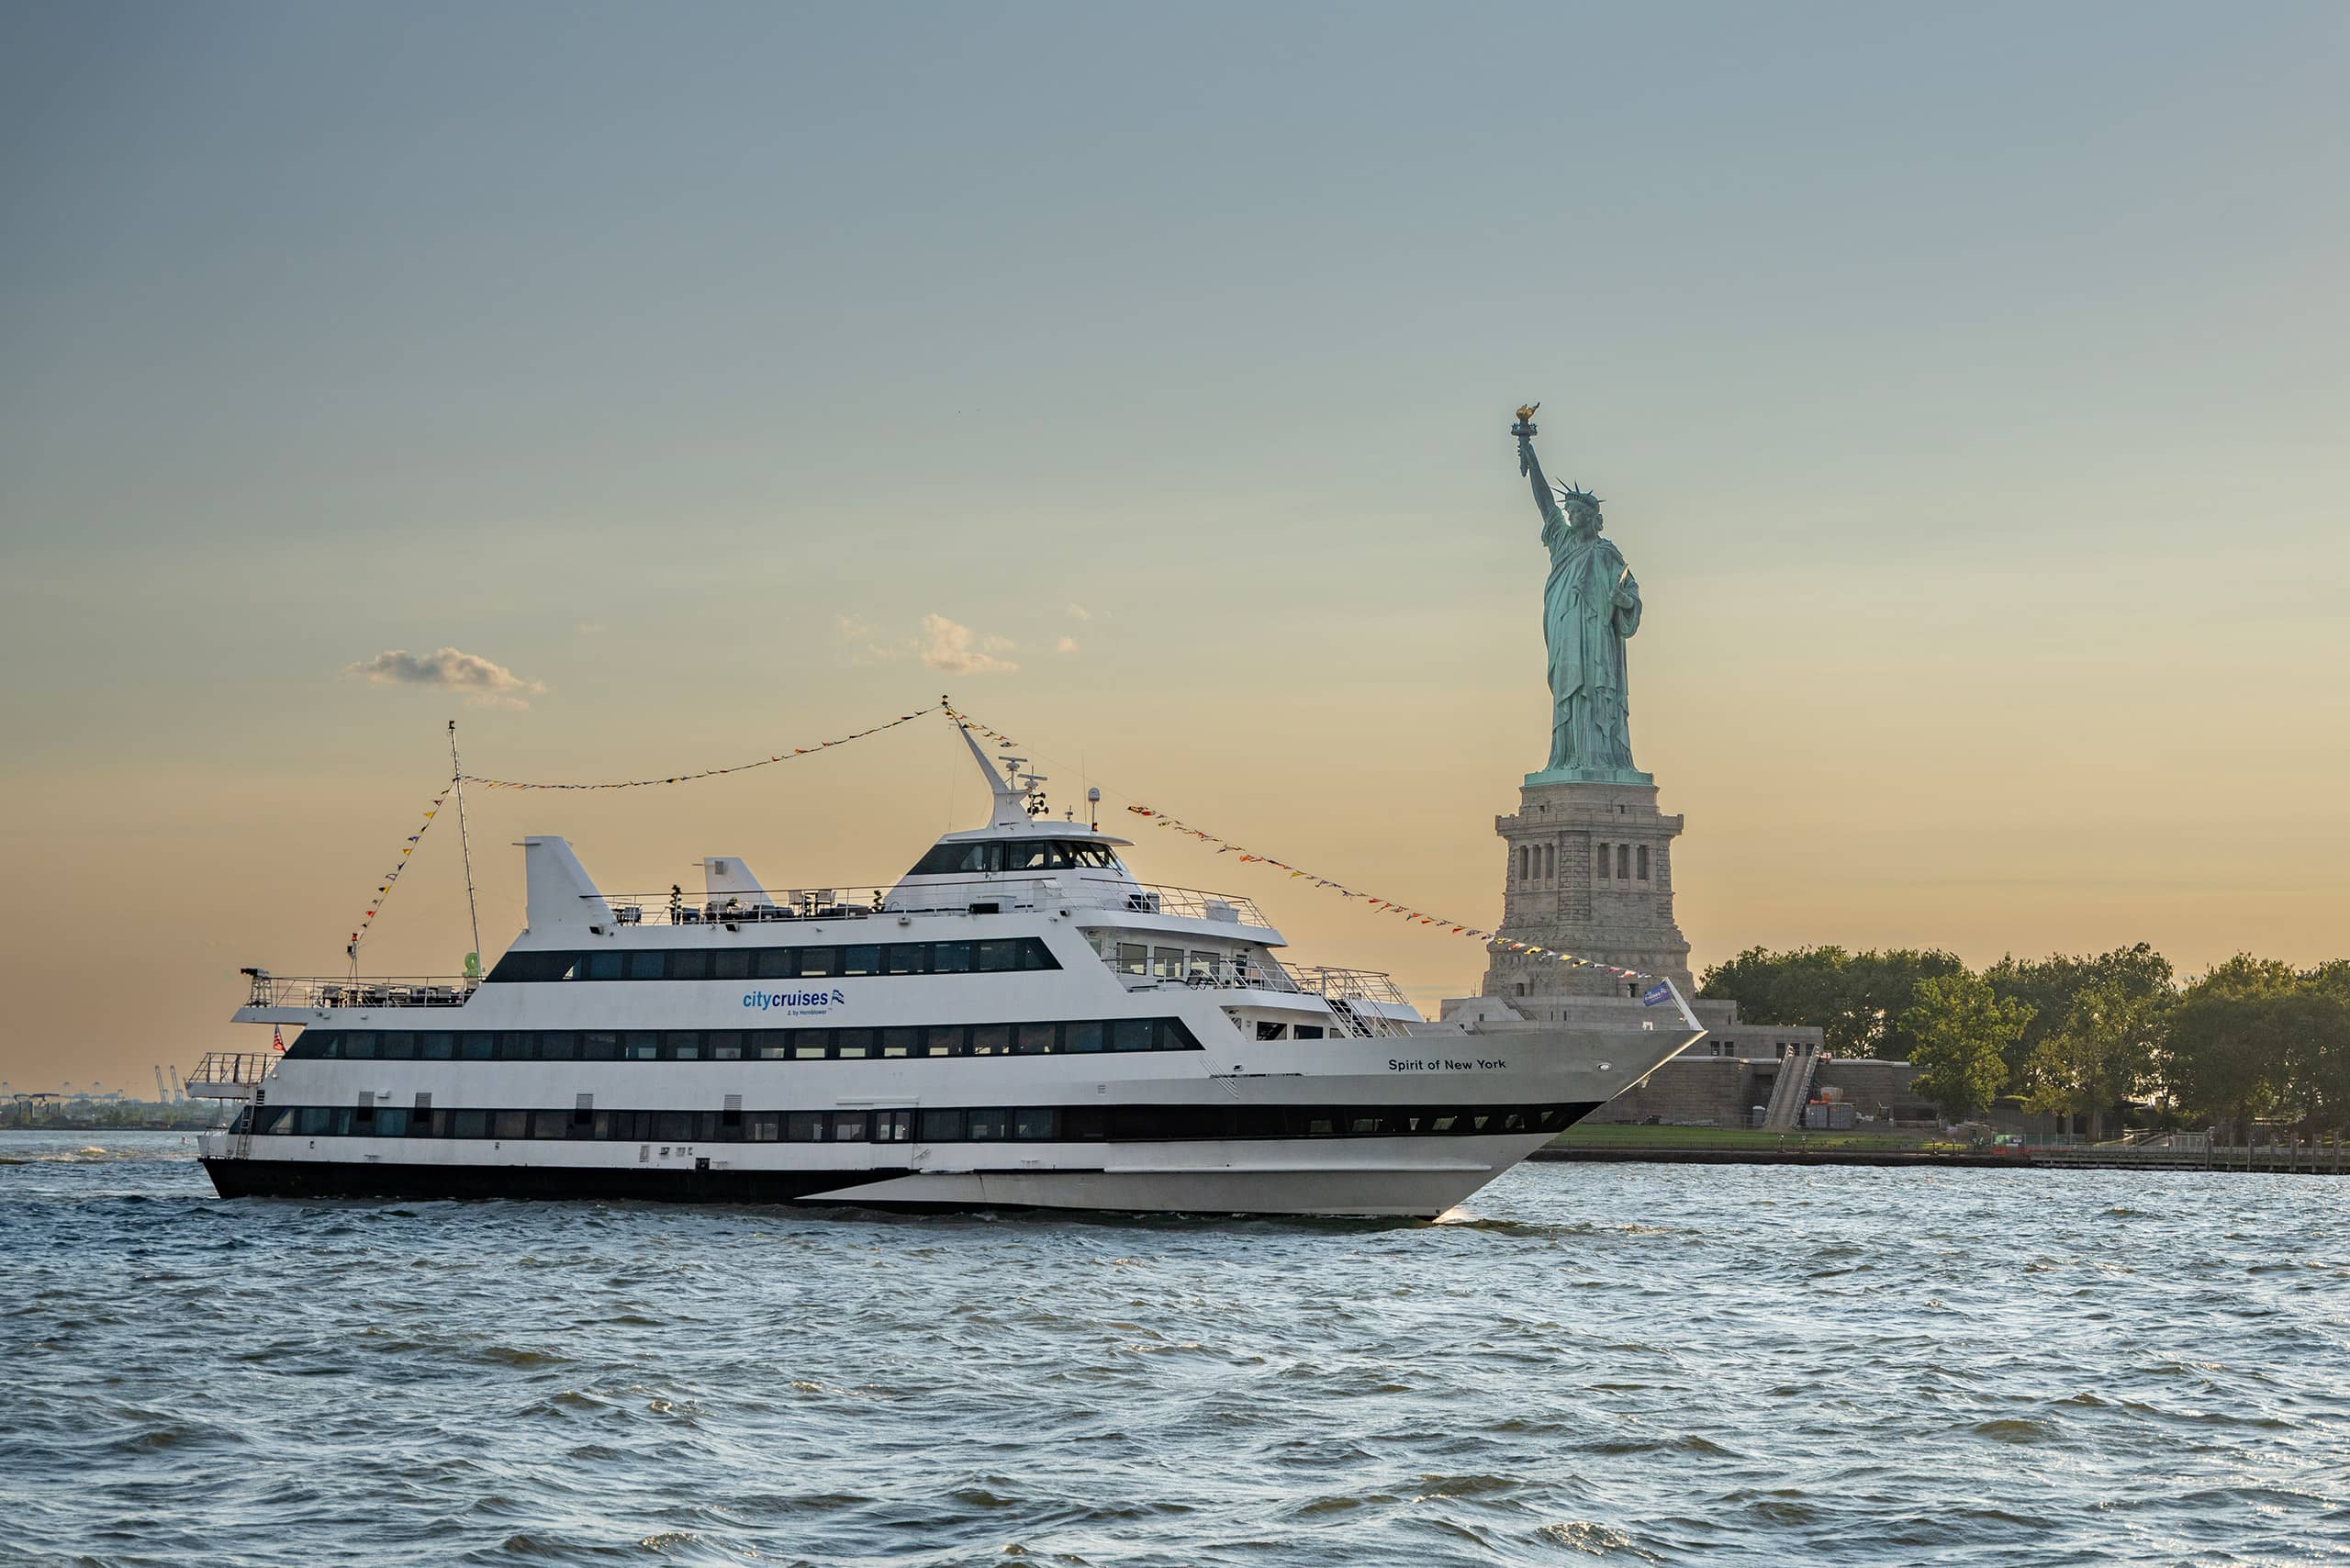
(769, 761)
(1002, 740)
(1409, 915)
(1406, 913)
(384, 888)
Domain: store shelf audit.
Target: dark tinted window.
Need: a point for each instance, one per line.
(990, 1039)
(950, 957)
(599, 1045)
(776, 963)
(959, 860)
(648, 963)
(515, 966)
(689, 964)
(819, 960)
(730, 963)
(942, 1127)
(604, 966)
(476, 1048)
(906, 958)
(989, 1125)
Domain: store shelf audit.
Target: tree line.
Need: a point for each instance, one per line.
(2253, 1041)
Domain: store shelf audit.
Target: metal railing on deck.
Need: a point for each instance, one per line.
(429, 990)
(1358, 999)
(1260, 973)
(227, 1075)
(1352, 985)
(938, 896)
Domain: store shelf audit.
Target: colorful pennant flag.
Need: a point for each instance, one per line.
(384, 888)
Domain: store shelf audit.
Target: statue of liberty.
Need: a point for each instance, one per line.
(1590, 605)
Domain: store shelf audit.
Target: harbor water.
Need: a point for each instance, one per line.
(1677, 1365)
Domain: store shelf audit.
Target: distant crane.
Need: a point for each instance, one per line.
(179, 1086)
(162, 1093)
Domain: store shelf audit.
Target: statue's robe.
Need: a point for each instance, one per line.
(1590, 604)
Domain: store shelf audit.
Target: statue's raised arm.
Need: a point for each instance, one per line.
(1531, 466)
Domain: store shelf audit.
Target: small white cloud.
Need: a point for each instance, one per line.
(486, 683)
(590, 628)
(1078, 612)
(947, 646)
(995, 644)
(1066, 645)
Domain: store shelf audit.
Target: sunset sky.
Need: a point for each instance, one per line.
(1967, 387)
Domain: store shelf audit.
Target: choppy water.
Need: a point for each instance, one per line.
(1640, 1364)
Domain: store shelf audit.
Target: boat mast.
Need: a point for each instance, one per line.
(464, 845)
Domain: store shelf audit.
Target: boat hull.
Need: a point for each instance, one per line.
(1401, 1177)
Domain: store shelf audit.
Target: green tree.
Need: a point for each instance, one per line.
(2314, 1024)
(1961, 1031)
(2106, 1050)
(1856, 999)
(2051, 986)
(2225, 1051)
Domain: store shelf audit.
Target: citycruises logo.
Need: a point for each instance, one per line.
(794, 1000)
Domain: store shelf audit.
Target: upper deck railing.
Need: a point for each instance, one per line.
(428, 991)
(991, 895)
(229, 1075)
(1358, 999)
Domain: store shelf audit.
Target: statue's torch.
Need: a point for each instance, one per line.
(1524, 431)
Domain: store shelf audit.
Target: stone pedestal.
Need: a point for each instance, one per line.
(1589, 871)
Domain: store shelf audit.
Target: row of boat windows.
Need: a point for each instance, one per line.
(1030, 1124)
(1001, 956)
(1076, 1036)
(1013, 855)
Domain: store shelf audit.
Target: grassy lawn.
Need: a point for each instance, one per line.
(1591, 1135)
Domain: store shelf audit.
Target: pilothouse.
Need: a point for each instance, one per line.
(1016, 1022)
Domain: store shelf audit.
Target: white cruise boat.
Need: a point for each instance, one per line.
(1017, 1022)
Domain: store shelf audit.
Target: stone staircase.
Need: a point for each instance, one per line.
(1792, 1091)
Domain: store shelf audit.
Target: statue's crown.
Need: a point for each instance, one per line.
(1570, 494)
